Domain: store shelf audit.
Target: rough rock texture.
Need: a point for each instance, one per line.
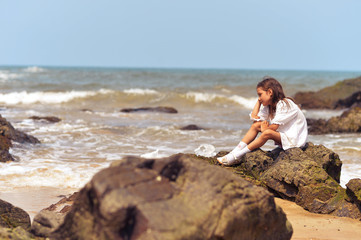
(12, 217)
(354, 191)
(150, 109)
(309, 176)
(49, 119)
(16, 233)
(178, 197)
(45, 222)
(7, 130)
(348, 122)
(329, 97)
(49, 219)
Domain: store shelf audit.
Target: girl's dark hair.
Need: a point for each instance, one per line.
(278, 94)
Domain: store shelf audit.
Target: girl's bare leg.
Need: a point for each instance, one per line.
(252, 132)
(265, 136)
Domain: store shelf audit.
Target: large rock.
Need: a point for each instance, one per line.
(8, 134)
(7, 130)
(309, 176)
(348, 122)
(329, 97)
(178, 197)
(12, 217)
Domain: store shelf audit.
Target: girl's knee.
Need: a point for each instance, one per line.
(268, 134)
(256, 126)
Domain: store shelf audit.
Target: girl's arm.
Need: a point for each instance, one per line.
(255, 111)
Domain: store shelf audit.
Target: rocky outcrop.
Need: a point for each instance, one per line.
(329, 97)
(48, 119)
(352, 101)
(178, 197)
(12, 217)
(354, 191)
(8, 134)
(309, 176)
(7, 130)
(150, 109)
(348, 122)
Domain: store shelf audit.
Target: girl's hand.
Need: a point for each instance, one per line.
(264, 126)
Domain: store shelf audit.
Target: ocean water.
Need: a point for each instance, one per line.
(93, 132)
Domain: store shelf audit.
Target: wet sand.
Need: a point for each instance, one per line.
(33, 200)
(313, 226)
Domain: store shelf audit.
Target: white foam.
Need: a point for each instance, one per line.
(25, 97)
(140, 91)
(154, 154)
(206, 150)
(34, 69)
(210, 97)
(6, 75)
(203, 97)
(246, 102)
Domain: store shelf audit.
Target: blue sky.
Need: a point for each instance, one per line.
(243, 34)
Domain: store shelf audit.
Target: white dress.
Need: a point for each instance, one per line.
(292, 123)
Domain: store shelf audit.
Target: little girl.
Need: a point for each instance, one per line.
(276, 117)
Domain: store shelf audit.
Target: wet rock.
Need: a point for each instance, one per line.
(352, 101)
(179, 197)
(12, 217)
(328, 97)
(7, 130)
(191, 127)
(348, 122)
(150, 109)
(49, 119)
(308, 176)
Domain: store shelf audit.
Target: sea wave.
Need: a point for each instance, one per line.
(199, 97)
(140, 91)
(25, 97)
(34, 69)
(7, 75)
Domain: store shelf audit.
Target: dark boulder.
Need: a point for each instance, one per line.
(12, 217)
(352, 101)
(329, 97)
(150, 109)
(191, 127)
(49, 119)
(348, 122)
(178, 197)
(7, 130)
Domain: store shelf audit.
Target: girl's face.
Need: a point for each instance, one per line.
(264, 97)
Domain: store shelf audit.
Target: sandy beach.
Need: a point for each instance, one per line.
(313, 226)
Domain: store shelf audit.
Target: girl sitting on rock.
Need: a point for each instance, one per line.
(276, 117)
